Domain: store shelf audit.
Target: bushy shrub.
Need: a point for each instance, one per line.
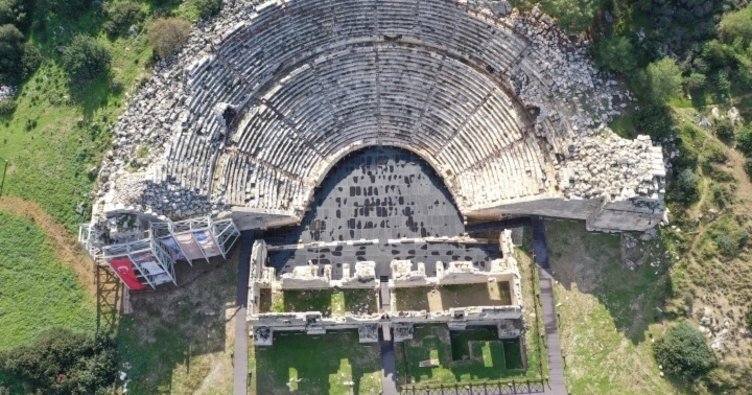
(30, 61)
(748, 167)
(11, 53)
(60, 361)
(206, 8)
(744, 140)
(168, 35)
(683, 352)
(730, 242)
(7, 106)
(721, 195)
(724, 129)
(685, 186)
(85, 59)
(123, 15)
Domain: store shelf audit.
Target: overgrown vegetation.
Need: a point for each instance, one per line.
(689, 64)
(64, 362)
(607, 312)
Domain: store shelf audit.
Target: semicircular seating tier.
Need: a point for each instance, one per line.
(267, 98)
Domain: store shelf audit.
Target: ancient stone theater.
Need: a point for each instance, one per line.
(362, 139)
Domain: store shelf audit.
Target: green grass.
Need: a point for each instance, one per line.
(456, 364)
(333, 363)
(360, 300)
(36, 291)
(58, 133)
(327, 301)
(173, 339)
(607, 312)
(311, 300)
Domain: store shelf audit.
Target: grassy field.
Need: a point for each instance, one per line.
(328, 301)
(180, 340)
(58, 134)
(607, 312)
(334, 364)
(36, 291)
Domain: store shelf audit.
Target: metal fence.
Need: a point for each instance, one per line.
(479, 388)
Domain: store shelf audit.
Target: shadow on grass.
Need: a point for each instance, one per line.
(170, 327)
(592, 262)
(92, 95)
(460, 356)
(334, 363)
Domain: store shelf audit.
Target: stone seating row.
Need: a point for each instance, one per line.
(246, 183)
(321, 75)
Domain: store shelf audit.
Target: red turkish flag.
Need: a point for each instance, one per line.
(124, 269)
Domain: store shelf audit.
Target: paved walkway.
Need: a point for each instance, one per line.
(240, 356)
(556, 383)
(388, 366)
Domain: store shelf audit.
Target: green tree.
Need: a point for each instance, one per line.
(11, 53)
(663, 79)
(168, 35)
(85, 59)
(574, 16)
(16, 12)
(737, 24)
(683, 352)
(616, 53)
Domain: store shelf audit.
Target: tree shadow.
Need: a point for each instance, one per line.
(596, 264)
(93, 95)
(171, 326)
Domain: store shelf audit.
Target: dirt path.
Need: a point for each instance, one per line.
(66, 246)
